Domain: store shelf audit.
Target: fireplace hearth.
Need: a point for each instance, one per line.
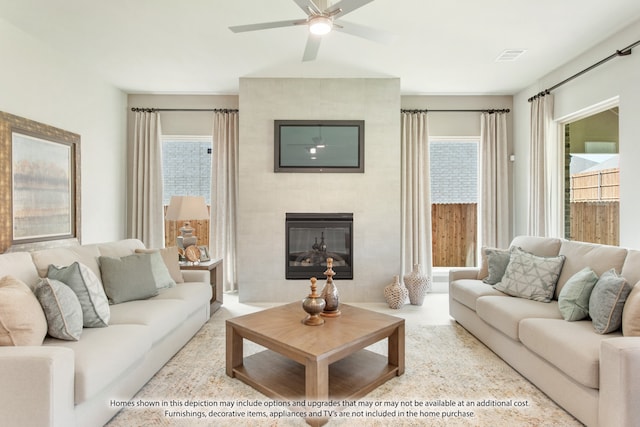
(311, 238)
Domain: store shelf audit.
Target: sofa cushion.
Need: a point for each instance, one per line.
(20, 266)
(120, 248)
(504, 313)
(467, 291)
(572, 347)
(496, 261)
(531, 276)
(61, 308)
(607, 302)
(599, 258)
(631, 314)
(631, 267)
(161, 316)
(540, 246)
(87, 286)
(86, 255)
(22, 321)
(104, 355)
(193, 293)
(128, 278)
(573, 300)
(170, 256)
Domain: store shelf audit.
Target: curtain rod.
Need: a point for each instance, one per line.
(622, 52)
(490, 111)
(153, 110)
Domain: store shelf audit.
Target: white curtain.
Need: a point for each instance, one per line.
(416, 200)
(147, 216)
(224, 193)
(544, 206)
(494, 197)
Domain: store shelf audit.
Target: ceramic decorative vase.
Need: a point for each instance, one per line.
(330, 293)
(418, 285)
(396, 293)
(313, 305)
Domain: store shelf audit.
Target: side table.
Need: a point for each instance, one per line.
(215, 269)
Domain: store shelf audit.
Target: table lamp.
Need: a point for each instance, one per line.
(186, 208)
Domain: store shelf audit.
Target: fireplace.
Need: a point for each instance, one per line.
(314, 237)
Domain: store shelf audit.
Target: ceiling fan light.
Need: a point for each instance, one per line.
(320, 25)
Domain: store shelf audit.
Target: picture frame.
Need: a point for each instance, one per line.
(204, 253)
(39, 183)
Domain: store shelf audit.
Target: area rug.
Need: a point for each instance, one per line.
(451, 379)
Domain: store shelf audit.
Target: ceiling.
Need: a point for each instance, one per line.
(440, 47)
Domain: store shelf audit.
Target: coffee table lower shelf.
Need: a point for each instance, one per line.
(281, 378)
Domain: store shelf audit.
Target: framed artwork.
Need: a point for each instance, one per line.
(204, 253)
(40, 182)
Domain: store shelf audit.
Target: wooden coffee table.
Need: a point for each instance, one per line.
(326, 362)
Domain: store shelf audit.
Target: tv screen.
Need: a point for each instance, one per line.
(319, 145)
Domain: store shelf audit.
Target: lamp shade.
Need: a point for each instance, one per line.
(187, 207)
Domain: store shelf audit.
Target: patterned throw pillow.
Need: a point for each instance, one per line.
(573, 300)
(87, 286)
(61, 308)
(607, 302)
(530, 276)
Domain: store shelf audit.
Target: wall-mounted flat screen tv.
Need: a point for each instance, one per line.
(319, 146)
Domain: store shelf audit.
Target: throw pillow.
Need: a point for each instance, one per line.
(607, 301)
(170, 258)
(631, 313)
(530, 276)
(128, 278)
(61, 308)
(83, 281)
(497, 261)
(573, 300)
(22, 320)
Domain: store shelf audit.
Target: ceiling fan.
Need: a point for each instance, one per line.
(322, 19)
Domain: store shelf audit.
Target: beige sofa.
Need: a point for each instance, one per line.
(595, 377)
(77, 383)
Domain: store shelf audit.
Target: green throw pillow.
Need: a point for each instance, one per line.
(530, 276)
(128, 278)
(607, 301)
(573, 300)
(497, 260)
(61, 308)
(86, 285)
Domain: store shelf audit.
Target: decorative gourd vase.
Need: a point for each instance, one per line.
(330, 293)
(313, 305)
(418, 285)
(396, 293)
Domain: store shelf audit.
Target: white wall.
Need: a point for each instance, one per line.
(39, 84)
(619, 77)
(265, 196)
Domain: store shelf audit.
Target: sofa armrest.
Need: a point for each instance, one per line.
(619, 381)
(463, 273)
(196, 276)
(37, 386)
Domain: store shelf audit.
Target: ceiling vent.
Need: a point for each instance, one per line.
(510, 55)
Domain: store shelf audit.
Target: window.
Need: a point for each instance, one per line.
(454, 200)
(186, 171)
(186, 167)
(592, 177)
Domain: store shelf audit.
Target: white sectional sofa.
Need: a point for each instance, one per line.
(594, 376)
(75, 383)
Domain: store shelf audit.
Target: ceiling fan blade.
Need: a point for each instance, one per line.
(364, 32)
(267, 25)
(347, 6)
(312, 47)
(307, 5)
